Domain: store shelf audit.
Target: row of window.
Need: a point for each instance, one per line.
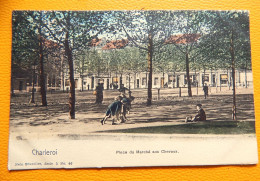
(171, 79)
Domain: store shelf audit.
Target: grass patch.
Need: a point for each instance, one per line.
(219, 127)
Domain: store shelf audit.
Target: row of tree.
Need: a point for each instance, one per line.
(166, 41)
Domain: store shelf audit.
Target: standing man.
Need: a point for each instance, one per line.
(206, 90)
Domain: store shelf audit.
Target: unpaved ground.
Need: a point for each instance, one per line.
(32, 119)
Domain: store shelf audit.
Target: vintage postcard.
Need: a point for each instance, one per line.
(130, 89)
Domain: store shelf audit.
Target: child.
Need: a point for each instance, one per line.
(200, 116)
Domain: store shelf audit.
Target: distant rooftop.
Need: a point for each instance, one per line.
(182, 38)
(115, 44)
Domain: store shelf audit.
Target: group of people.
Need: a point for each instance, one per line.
(118, 109)
(122, 104)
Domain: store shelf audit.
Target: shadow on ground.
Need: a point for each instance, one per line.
(210, 127)
(167, 109)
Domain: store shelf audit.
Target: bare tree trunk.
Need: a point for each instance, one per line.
(216, 80)
(150, 69)
(228, 80)
(232, 53)
(204, 73)
(197, 83)
(62, 74)
(211, 80)
(117, 82)
(163, 80)
(63, 83)
(12, 86)
(71, 76)
(12, 80)
(188, 75)
(134, 80)
(246, 75)
(121, 80)
(173, 78)
(129, 79)
(146, 80)
(42, 78)
(82, 83)
(33, 84)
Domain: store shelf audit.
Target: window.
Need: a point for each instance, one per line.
(214, 78)
(67, 82)
(115, 80)
(223, 78)
(194, 78)
(156, 81)
(144, 81)
(185, 79)
(76, 83)
(171, 78)
(92, 82)
(205, 78)
(101, 81)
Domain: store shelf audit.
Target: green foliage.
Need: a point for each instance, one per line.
(125, 60)
(219, 39)
(210, 51)
(24, 40)
(169, 59)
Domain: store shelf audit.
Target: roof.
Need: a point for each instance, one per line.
(115, 44)
(49, 43)
(95, 42)
(182, 38)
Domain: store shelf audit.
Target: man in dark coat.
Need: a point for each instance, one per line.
(206, 90)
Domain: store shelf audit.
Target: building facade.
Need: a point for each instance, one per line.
(218, 78)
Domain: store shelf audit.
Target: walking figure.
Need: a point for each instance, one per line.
(206, 90)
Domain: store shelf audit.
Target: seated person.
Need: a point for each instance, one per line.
(200, 116)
